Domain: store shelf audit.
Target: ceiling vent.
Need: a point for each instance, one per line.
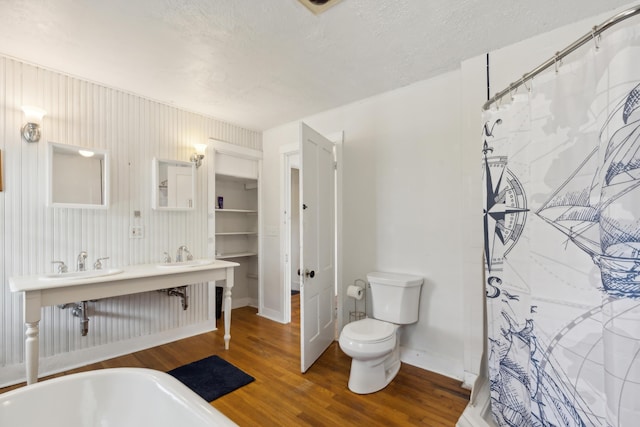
(318, 6)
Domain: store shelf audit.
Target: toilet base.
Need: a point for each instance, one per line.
(369, 376)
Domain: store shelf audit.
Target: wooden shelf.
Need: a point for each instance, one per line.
(248, 182)
(237, 210)
(237, 218)
(237, 233)
(236, 255)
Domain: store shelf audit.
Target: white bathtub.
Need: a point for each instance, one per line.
(120, 397)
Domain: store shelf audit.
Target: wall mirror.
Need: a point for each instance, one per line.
(78, 177)
(174, 184)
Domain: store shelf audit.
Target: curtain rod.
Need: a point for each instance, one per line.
(595, 32)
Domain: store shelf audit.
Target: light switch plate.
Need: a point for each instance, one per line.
(136, 232)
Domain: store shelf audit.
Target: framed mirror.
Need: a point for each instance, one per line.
(174, 185)
(78, 177)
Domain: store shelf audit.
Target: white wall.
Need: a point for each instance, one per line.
(32, 235)
(401, 205)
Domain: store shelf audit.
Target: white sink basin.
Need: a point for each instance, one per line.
(192, 263)
(79, 275)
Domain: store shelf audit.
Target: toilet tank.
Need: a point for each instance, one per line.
(395, 297)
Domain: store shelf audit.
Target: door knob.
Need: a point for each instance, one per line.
(308, 273)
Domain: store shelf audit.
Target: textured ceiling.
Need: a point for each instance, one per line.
(261, 63)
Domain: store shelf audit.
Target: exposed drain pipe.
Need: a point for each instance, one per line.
(180, 291)
(81, 311)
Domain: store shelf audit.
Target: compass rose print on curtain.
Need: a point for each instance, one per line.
(561, 180)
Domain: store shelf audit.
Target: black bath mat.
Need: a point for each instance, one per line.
(211, 377)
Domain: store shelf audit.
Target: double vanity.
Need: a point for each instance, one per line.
(79, 178)
(61, 288)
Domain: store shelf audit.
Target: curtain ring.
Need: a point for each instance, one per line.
(512, 92)
(596, 37)
(557, 61)
(523, 82)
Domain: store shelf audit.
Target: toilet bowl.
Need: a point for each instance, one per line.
(373, 343)
(373, 346)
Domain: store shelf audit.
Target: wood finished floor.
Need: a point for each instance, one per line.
(282, 396)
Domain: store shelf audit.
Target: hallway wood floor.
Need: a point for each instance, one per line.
(282, 396)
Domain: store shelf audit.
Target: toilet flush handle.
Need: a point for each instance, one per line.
(308, 273)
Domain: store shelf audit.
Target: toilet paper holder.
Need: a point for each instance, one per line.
(356, 314)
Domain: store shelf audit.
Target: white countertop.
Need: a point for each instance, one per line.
(35, 282)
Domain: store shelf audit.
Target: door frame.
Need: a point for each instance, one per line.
(289, 157)
(287, 160)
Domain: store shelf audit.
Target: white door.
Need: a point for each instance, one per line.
(317, 244)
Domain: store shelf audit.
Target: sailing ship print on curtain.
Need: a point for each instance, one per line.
(561, 172)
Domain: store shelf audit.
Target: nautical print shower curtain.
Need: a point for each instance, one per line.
(561, 172)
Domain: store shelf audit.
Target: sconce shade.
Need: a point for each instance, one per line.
(200, 148)
(33, 118)
(33, 114)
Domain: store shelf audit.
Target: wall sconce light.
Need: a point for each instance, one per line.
(199, 154)
(33, 117)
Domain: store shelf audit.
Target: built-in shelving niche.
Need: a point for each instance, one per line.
(237, 226)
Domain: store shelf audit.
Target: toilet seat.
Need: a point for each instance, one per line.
(369, 331)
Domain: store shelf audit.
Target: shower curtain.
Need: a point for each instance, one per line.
(561, 172)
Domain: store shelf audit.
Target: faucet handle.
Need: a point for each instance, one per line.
(81, 261)
(98, 264)
(166, 258)
(182, 250)
(179, 253)
(62, 268)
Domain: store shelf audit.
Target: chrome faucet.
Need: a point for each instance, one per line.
(62, 268)
(98, 264)
(82, 261)
(182, 250)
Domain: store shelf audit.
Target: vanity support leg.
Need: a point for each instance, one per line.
(32, 346)
(32, 340)
(227, 307)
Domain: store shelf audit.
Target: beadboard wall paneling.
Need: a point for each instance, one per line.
(134, 130)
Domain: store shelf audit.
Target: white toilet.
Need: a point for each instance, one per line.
(373, 344)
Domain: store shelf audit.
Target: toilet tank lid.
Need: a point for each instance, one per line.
(394, 279)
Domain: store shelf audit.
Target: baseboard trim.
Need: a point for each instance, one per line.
(477, 414)
(432, 362)
(469, 379)
(14, 374)
(274, 315)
